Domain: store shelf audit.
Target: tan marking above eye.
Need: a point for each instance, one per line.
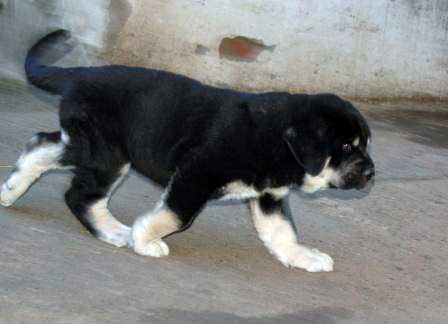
(356, 141)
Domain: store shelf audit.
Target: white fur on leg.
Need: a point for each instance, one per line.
(279, 237)
(108, 228)
(149, 229)
(29, 168)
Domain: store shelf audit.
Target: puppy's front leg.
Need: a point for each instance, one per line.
(276, 230)
(150, 228)
(188, 191)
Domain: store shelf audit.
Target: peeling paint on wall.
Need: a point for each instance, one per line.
(242, 48)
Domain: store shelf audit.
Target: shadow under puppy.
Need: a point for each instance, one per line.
(198, 142)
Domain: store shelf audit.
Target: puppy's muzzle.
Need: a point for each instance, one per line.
(366, 180)
(360, 177)
(369, 173)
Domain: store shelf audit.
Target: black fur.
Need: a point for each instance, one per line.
(193, 137)
(271, 205)
(43, 138)
(88, 186)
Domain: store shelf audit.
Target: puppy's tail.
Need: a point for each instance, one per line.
(48, 50)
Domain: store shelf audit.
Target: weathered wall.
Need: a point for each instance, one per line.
(22, 22)
(356, 48)
(382, 48)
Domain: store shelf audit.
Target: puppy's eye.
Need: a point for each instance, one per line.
(346, 148)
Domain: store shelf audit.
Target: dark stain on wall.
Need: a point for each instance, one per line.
(119, 12)
(242, 48)
(201, 49)
(437, 9)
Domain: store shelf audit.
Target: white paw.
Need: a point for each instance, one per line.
(146, 240)
(14, 187)
(8, 195)
(156, 248)
(312, 260)
(119, 237)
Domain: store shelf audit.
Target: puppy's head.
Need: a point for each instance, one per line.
(329, 140)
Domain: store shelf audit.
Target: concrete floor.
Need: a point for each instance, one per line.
(390, 247)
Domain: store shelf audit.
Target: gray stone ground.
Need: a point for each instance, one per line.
(390, 247)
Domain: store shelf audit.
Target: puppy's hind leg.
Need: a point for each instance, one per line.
(42, 153)
(88, 198)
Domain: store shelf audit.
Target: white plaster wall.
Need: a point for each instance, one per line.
(379, 48)
(22, 22)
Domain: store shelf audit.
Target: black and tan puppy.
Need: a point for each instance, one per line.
(197, 141)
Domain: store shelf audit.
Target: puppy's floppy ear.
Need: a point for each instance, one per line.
(310, 149)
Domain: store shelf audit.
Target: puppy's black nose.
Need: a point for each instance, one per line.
(369, 173)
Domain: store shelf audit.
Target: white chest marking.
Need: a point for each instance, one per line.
(237, 190)
(322, 181)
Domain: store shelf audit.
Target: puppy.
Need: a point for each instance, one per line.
(198, 142)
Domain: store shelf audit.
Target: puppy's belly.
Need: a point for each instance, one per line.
(156, 174)
(236, 190)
